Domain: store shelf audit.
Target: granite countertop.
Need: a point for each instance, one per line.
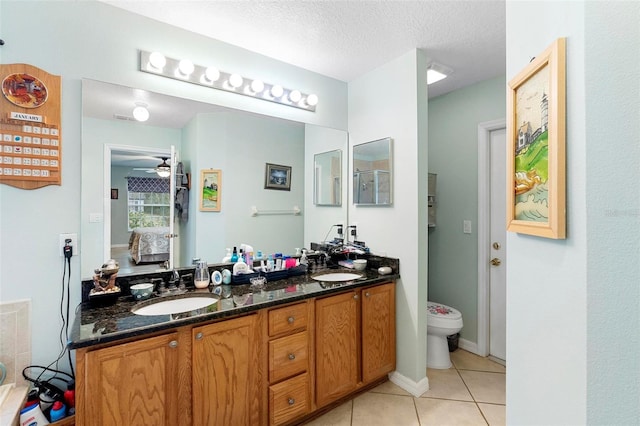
(94, 325)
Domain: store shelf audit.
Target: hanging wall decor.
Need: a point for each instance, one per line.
(536, 140)
(210, 190)
(30, 133)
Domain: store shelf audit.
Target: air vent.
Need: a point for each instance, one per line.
(123, 117)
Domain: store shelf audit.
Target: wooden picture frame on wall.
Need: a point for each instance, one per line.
(536, 105)
(277, 177)
(210, 190)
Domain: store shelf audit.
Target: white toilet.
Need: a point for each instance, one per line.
(442, 321)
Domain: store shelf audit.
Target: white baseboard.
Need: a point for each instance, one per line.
(469, 346)
(415, 389)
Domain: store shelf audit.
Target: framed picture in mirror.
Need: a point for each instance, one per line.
(277, 177)
(210, 190)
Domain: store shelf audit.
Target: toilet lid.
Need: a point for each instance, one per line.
(442, 311)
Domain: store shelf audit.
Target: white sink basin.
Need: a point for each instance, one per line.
(337, 277)
(175, 306)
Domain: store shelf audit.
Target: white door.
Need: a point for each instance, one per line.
(497, 233)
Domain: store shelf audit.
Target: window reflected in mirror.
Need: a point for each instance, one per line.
(327, 186)
(372, 173)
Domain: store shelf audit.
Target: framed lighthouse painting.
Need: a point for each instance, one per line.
(536, 139)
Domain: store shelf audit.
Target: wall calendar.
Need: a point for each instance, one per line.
(30, 133)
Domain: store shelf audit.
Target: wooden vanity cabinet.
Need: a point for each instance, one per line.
(289, 362)
(134, 383)
(226, 372)
(355, 340)
(378, 305)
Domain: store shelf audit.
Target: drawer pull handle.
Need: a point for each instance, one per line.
(291, 319)
(173, 344)
(367, 294)
(292, 357)
(291, 401)
(355, 296)
(199, 336)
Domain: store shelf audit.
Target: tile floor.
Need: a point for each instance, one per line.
(472, 392)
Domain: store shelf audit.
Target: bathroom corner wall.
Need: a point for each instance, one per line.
(15, 339)
(453, 156)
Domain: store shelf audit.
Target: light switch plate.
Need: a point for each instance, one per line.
(466, 227)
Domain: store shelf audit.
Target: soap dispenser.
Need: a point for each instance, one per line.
(227, 257)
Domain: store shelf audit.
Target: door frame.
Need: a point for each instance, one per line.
(106, 206)
(484, 216)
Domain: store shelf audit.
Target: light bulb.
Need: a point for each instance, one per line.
(185, 67)
(235, 80)
(312, 100)
(157, 60)
(295, 96)
(257, 86)
(277, 91)
(212, 74)
(140, 113)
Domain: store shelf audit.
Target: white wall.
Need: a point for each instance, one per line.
(378, 109)
(453, 156)
(319, 219)
(612, 75)
(239, 145)
(547, 279)
(88, 39)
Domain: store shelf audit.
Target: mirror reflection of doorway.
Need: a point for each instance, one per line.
(141, 218)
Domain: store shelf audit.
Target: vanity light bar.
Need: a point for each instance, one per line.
(185, 70)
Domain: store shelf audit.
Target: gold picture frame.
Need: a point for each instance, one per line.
(536, 105)
(210, 190)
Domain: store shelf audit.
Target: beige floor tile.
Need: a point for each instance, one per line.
(377, 409)
(443, 412)
(389, 387)
(495, 414)
(464, 360)
(485, 387)
(446, 384)
(340, 416)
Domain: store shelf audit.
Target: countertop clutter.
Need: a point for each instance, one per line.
(102, 324)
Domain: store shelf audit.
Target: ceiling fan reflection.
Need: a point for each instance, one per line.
(163, 169)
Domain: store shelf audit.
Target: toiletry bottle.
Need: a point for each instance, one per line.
(270, 264)
(234, 256)
(227, 257)
(58, 411)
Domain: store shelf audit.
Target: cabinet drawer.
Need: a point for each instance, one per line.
(289, 400)
(288, 319)
(288, 356)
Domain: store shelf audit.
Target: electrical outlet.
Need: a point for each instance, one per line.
(73, 243)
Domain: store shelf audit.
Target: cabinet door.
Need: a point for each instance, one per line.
(336, 347)
(226, 367)
(133, 383)
(378, 331)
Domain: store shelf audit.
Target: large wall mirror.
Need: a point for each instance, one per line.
(327, 178)
(373, 173)
(116, 148)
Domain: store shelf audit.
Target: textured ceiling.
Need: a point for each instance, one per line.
(346, 39)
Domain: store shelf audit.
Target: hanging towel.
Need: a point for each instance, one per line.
(182, 194)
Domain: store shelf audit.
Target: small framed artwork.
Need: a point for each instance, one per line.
(277, 177)
(114, 193)
(210, 190)
(536, 196)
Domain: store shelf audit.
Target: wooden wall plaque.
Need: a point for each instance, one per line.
(30, 133)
